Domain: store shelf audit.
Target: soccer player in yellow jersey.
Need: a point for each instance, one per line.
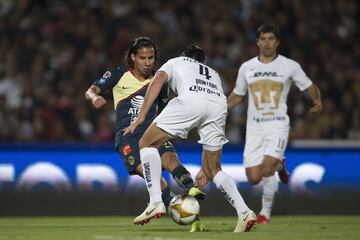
(267, 79)
(129, 85)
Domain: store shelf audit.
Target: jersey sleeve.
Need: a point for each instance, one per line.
(241, 84)
(168, 68)
(109, 79)
(299, 77)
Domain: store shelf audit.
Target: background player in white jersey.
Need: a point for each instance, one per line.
(200, 104)
(268, 78)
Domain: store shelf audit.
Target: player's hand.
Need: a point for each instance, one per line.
(98, 101)
(132, 127)
(318, 107)
(201, 179)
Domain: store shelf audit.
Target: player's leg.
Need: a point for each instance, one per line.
(282, 171)
(259, 168)
(152, 167)
(270, 188)
(274, 145)
(227, 186)
(129, 153)
(174, 121)
(167, 193)
(254, 174)
(212, 137)
(253, 157)
(181, 175)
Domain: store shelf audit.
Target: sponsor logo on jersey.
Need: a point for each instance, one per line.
(136, 103)
(269, 119)
(266, 74)
(107, 74)
(101, 81)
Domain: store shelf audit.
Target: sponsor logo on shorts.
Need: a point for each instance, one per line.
(167, 145)
(131, 160)
(126, 149)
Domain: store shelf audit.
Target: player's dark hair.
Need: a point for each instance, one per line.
(140, 42)
(268, 28)
(195, 52)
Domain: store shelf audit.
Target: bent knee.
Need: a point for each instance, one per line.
(254, 180)
(268, 171)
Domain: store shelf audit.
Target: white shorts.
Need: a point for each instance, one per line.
(271, 144)
(179, 117)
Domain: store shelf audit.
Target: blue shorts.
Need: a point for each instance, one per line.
(130, 153)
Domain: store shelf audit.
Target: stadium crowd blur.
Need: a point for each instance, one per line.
(51, 51)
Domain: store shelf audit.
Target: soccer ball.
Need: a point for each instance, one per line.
(184, 209)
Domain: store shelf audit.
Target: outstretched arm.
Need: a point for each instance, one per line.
(150, 97)
(234, 100)
(314, 93)
(92, 94)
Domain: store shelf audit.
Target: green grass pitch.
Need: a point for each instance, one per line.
(118, 228)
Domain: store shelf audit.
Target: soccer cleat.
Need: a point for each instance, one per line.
(197, 226)
(154, 210)
(283, 173)
(196, 193)
(246, 222)
(261, 219)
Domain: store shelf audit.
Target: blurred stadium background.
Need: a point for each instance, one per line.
(56, 151)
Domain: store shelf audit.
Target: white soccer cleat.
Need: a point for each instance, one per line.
(154, 210)
(246, 222)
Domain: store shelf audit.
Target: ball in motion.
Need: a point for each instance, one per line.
(184, 210)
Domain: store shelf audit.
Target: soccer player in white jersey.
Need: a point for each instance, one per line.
(200, 104)
(267, 78)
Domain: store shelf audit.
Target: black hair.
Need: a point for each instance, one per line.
(195, 52)
(140, 42)
(268, 28)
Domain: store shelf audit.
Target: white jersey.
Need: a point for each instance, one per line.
(190, 79)
(268, 85)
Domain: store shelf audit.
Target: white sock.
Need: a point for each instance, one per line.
(227, 186)
(270, 187)
(151, 163)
